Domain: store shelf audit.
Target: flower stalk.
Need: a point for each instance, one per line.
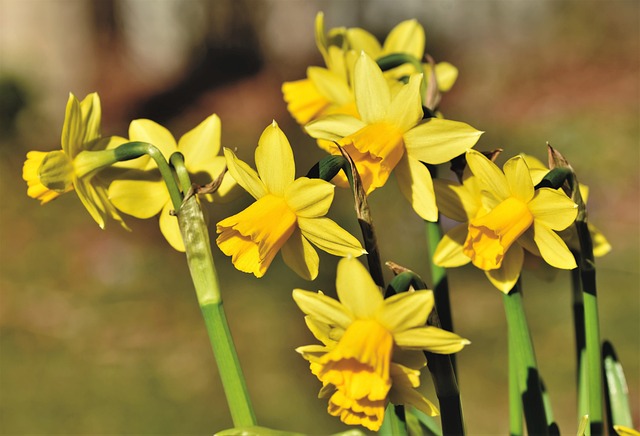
(203, 273)
(523, 363)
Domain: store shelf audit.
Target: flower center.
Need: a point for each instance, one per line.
(253, 237)
(376, 150)
(491, 235)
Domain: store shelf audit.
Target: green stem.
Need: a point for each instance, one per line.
(586, 267)
(132, 150)
(581, 348)
(200, 260)
(177, 161)
(515, 403)
(528, 377)
(203, 273)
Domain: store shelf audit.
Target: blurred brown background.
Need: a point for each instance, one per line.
(100, 332)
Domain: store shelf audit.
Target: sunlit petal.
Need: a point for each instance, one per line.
(553, 209)
(170, 228)
(246, 176)
(144, 130)
(431, 339)
(488, 174)
(405, 110)
(437, 140)
(356, 289)
(371, 90)
(330, 85)
(416, 185)
(552, 248)
(323, 308)
(300, 256)
(329, 236)
(334, 127)
(449, 252)
(518, 177)
(407, 37)
(309, 197)
(505, 277)
(200, 146)
(406, 310)
(274, 160)
(139, 198)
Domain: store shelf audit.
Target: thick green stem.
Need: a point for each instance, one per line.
(203, 273)
(586, 267)
(528, 377)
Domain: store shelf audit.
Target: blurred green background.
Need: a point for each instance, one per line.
(100, 332)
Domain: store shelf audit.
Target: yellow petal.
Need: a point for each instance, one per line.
(170, 228)
(449, 252)
(488, 175)
(361, 40)
(356, 289)
(139, 198)
(505, 277)
(405, 110)
(91, 201)
(371, 90)
(300, 256)
(552, 248)
(274, 160)
(322, 308)
(406, 37)
(200, 145)
(406, 310)
(309, 198)
(536, 168)
(304, 100)
(446, 75)
(334, 127)
(553, 209)
(456, 201)
(430, 338)
(330, 85)
(416, 185)
(144, 130)
(600, 244)
(244, 175)
(329, 236)
(91, 117)
(402, 392)
(73, 128)
(437, 140)
(518, 177)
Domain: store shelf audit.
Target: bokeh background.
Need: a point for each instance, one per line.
(100, 332)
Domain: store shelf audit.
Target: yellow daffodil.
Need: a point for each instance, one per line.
(372, 347)
(329, 90)
(84, 152)
(143, 193)
(288, 213)
(512, 216)
(391, 135)
(601, 245)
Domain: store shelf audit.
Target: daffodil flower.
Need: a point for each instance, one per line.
(84, 152)
(510, 216)
(391, 135)
(329, 90)
(372, 348)
(288, 215)
(142, 193)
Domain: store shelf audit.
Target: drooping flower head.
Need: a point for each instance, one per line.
(391, 135)
(288, 215)
(142, 192)
(84, 152)
(372, 348)
(510, 217)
